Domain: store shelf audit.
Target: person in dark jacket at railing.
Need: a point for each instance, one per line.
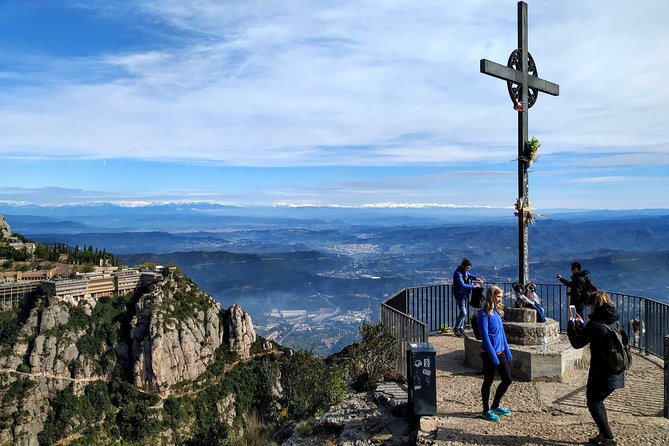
(602, 381)
(462, 285)
(578, 286)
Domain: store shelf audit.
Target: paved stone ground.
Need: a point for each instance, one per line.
(543, 413)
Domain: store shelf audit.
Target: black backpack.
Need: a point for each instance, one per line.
(618, 355)
(588, 289)
(476, 297)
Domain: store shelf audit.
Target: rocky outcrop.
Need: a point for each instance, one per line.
(31, 410)
(239, 331)
(177, 331)
(20, 349)
(49, 350)
(54, 315)
(46, 350)
(5, 230)
(54, 349)
(226, 409)
(52, 355)
(363, 418)
(170, 335)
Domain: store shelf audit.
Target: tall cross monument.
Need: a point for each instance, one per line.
(524, 85)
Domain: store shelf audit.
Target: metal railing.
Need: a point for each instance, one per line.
(405, 328)
(413, 313)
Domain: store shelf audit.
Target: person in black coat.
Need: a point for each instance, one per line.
(578, 293)
(602, 381)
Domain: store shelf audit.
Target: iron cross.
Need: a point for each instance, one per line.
(524, 85)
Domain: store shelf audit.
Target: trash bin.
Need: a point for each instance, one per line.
(422, 378)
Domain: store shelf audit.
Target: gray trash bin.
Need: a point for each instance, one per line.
(422, 378)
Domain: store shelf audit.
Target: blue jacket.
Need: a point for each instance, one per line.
(460, 285)
(493, 338)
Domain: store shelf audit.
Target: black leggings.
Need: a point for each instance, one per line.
(595, 396)
(489, 377)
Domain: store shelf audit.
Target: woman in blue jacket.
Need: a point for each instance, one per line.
(495, 353)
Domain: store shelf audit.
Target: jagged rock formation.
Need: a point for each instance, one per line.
(46, 347)
(31, 409)
(177, 331)
(169, 335)
(5, 230)
(239, 331)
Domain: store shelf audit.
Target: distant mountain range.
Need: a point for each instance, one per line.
(416, 244)
(351, 259)
(179, 217)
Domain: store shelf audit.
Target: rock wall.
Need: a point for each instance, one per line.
(49, 350)
(239, 331)
(170, 345)
(46, 351)
(171, 337)
(5, 230)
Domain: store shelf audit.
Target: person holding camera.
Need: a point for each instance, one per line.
(602, 380)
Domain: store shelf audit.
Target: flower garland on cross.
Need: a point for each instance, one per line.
(523, 206)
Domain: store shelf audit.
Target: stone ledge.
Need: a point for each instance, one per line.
(391, 394)
(529, 362)
(513, 314)
(531, 333)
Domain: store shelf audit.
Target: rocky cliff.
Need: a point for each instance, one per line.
(166, 335)
(5, 230)
(177, 330)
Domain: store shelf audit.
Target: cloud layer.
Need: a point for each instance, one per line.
(371, 83)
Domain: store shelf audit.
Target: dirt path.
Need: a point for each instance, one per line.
(48, 376)
(543, 413)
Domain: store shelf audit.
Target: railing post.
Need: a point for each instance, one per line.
(666, 377)
(649, 328)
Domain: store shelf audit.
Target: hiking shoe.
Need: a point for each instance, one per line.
(458, 332)
(601, 441)
(596, 440)
(500, 410)
(488, 415)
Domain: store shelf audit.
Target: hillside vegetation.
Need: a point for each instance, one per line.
(165, 365)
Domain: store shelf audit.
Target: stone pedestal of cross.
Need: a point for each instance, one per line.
(524, 86)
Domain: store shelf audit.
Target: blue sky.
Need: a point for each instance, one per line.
(334, 103)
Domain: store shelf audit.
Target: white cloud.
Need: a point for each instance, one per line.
(367, 83)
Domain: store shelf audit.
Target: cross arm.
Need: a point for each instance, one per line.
(509, 74)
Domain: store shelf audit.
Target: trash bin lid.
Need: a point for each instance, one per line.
(421, 347)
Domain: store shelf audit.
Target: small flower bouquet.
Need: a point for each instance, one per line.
(531, 152)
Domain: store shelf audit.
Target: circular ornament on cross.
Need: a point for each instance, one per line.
(514, 88)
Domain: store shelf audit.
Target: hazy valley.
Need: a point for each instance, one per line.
(324, 270)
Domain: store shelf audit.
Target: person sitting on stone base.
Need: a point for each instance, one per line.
(532, 300)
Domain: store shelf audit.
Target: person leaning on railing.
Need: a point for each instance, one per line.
(461, 287)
